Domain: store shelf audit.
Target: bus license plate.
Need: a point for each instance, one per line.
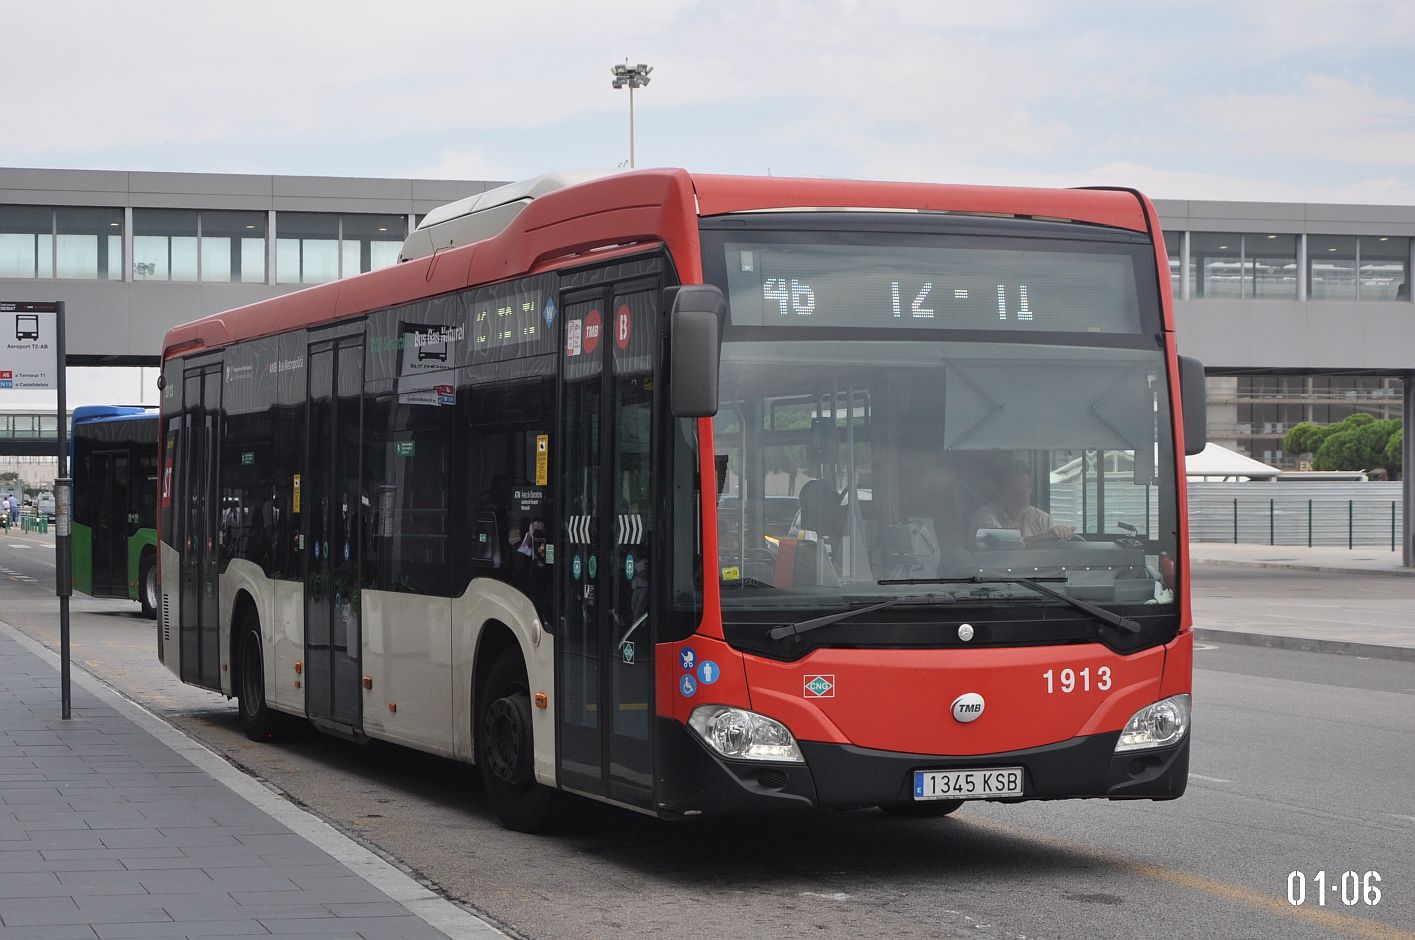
(967, 784)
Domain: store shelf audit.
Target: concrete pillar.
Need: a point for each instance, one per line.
(1407, 473)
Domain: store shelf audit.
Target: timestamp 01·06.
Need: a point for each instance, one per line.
(1351, 888)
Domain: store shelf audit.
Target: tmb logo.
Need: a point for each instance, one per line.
(968, 707)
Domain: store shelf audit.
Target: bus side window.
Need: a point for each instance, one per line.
(507, 503)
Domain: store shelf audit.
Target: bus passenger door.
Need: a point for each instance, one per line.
(605, 644)
(109, 543)
(331, 497)
(199, 616)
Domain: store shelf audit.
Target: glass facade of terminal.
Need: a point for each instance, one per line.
(1253, 413)
(1266, 266)
(191, 245)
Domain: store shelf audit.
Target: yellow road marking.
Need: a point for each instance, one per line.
(1325, 918)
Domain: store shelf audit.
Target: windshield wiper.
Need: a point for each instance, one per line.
(1110, 617)
(806, 626)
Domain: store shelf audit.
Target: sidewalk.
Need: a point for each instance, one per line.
(1352, 620)
(114, 824)
(1379, 561)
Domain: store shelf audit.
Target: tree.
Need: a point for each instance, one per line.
(1393, 449)
(1359, 442)
(1306, 437)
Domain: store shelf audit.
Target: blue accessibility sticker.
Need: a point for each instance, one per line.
(687, 658)
(687, 685)
(708, 672)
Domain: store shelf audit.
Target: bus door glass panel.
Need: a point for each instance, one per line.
(330, 498)
(189, 503)
(577, 545)
(347, 509)
(201, 661)
(632, 343)
(208, 568)
(109, 539)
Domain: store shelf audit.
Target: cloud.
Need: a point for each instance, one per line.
(1327, 118)
(466, 165)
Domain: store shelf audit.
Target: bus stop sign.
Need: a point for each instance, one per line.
(28, 345)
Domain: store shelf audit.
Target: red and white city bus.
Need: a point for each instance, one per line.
(703, 494)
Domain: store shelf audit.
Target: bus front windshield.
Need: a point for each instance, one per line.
(849, 469)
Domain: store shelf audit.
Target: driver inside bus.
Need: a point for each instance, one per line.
(1013, 509)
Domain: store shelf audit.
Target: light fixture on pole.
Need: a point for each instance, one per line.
(635, 76)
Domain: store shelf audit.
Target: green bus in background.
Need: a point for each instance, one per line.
(115, 503)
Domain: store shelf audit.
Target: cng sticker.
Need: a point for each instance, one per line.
(629, 567)
(819, 686)
(575, 567)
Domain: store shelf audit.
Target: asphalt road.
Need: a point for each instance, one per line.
(1301, 761)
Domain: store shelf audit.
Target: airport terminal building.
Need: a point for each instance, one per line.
(1300, 312)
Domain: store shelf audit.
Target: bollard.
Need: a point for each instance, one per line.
(1235, 520)
(1350, 523)
(1309, 522)
(1271, 540)
(1392, 525)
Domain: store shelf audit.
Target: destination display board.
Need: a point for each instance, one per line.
(954, 284)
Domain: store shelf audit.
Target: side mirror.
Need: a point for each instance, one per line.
(695, 322)
(1194, 401)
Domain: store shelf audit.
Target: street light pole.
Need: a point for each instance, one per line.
(631, 77)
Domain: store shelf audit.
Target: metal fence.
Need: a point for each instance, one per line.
(1309, 513)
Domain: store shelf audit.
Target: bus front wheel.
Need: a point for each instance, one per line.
(506, 750)
(259, 721)
(147, 586)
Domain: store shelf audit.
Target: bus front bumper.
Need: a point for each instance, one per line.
(695, 780)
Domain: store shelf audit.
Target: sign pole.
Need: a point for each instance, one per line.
(63, 514)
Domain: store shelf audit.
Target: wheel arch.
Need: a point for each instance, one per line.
(497, 617)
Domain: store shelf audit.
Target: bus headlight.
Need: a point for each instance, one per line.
(1157, 725)
(743, 735)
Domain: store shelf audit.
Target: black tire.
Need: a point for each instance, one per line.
(147, 586)
(929, 809)
(258, 720)
(506, 750)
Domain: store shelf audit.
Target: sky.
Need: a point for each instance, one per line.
(1302, 100)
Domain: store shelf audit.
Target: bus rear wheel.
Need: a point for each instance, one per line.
(506, 750)
(258, 720)
(929, 809)
(147, 586)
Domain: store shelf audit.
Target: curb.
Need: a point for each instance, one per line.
(1306, 644)
(1289, 566)
(1327, 569)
